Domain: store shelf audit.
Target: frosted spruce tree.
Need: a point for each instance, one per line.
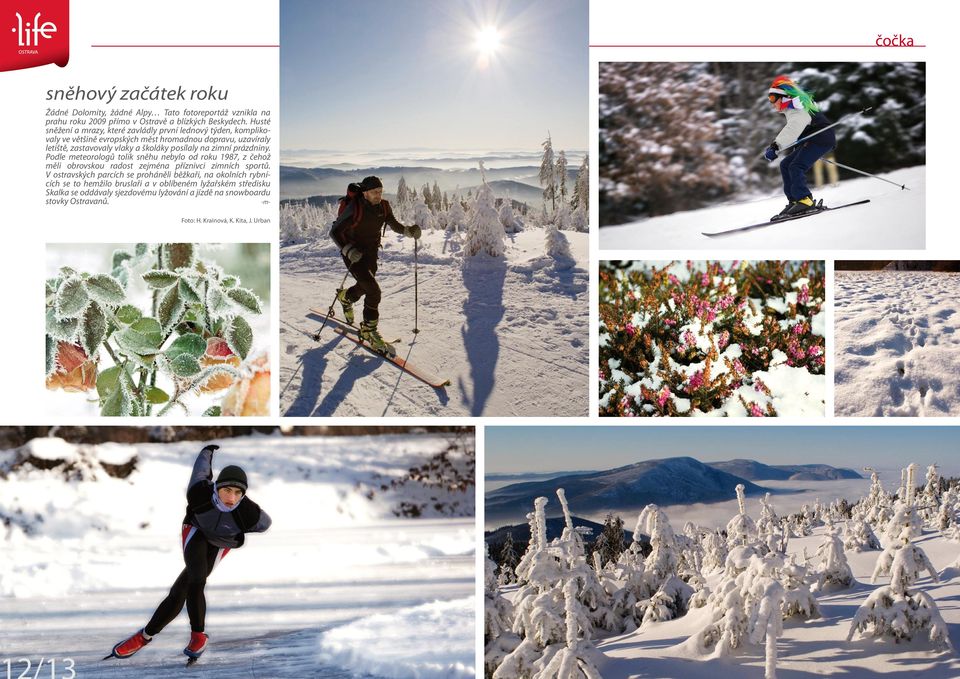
(858, 536)
(714, 552)
(580, 200)
(548, 174)
(834, 572)
(511, 223)
(574, 658)
(741, 530)
(560, 172)
(484, 231)
(456, 217)
(899, 610)
(556, 245)
(423, 216)
(508, 562)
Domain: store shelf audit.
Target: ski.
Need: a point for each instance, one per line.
(332, 317)
(405, 366)
(771, 222)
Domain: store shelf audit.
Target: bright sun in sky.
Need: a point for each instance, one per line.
(488, 40)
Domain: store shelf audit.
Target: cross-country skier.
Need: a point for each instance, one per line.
(219, 513)
(357, 232)
(803, 119)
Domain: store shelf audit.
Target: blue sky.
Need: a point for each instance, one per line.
(388, 74)
(524, 449)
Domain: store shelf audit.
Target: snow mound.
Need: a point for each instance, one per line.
(431, 641)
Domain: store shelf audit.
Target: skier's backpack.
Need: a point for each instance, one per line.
(354, 192)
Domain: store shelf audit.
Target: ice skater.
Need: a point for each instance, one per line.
(219, 513)
(357, 231)
(804, 119)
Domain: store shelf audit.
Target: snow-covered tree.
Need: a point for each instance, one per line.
(556, 244)
(834, 572)
(499, 641)
(574, 658)
(561, 174)
(456, 217)
(422, 216)
(767, 624)
(508, 562)
(548, 176)
(403, 193)
(609, 544)
(511, 223)
(858, 536)
(484, 230)
(741, 530)
(580, 200)
(714, 552)
(798, 600)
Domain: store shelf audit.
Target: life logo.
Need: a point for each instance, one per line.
(34, 33)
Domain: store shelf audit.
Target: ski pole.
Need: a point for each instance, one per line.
(824, 129)
(865, 174)
(316, 335)
(416, 320)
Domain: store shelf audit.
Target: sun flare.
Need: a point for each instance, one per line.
(488, 40)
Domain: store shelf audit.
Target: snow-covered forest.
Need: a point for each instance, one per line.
(847, 588)
(498, 290)
(371, 535)
(680, 136)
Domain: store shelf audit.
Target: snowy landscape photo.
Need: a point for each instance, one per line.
(715, 155)
(434, 246)
(365, 566)
(714, 339)
(896, 353)
(733, 551)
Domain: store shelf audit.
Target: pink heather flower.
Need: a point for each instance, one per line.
(798, 329)
(758, 385)
(688, 339)
(603, 376)
(711, 315)
(738, 367)
(625, 403)
(755, 411)
(819, 360)
(630, 295)
(724, 339)
(804, 296)
(769, 282)
(813, 351)
(704, 279)
(673, 280)
(663, 396)
(631, 331)
(696, 381)
(733, 265)
(669, 321)
(724, 302)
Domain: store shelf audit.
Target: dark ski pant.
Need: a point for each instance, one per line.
(366, 286)
(793, 169)
(200, 558)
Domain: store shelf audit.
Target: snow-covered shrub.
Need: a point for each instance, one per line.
(555, 243)
(859, 537)
(741, 530)
(484, 230)
(304, 222)
(499, 641)
(456, 218)
(422, 215)
(511, 222)
(741, 340)
(834, 572)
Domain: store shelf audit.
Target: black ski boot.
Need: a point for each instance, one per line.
(369, 334)
(802, 206)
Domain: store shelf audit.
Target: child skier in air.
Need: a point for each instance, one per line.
(803, 119)
(357, 233)
(218, 515)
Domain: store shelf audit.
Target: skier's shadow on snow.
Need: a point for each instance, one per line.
(482, 310)
(314, 365)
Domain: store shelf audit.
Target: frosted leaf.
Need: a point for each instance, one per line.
(107, 381)
(120, 401)
(128, 314)
(190, 343)
(142, 249)
(93, 328)
(156, 395)
(245, 298)
(61, 328)
(212, 372)
(105, 289)
(51, 354)
(217, 302)
(67, 272)
(188, 291)
(71, 298)
(142, 337)
(229, 282)
(158, 279)
(212, 411)
(184, 365)
(170, 310)
(177, 255)
(239, 336)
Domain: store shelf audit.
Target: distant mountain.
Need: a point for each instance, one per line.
(675, 480)
(757, 471)
(520, 183)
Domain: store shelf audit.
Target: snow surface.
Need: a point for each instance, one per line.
(510, 334)
(897, 344)
(894, 219)
(86, 562)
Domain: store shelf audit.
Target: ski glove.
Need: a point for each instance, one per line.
(352, 253)
(771, 153)
(414, 231)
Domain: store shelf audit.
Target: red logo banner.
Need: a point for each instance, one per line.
(34, 33)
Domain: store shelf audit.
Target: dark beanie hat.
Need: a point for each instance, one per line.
(232, 476)
(370, 183)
